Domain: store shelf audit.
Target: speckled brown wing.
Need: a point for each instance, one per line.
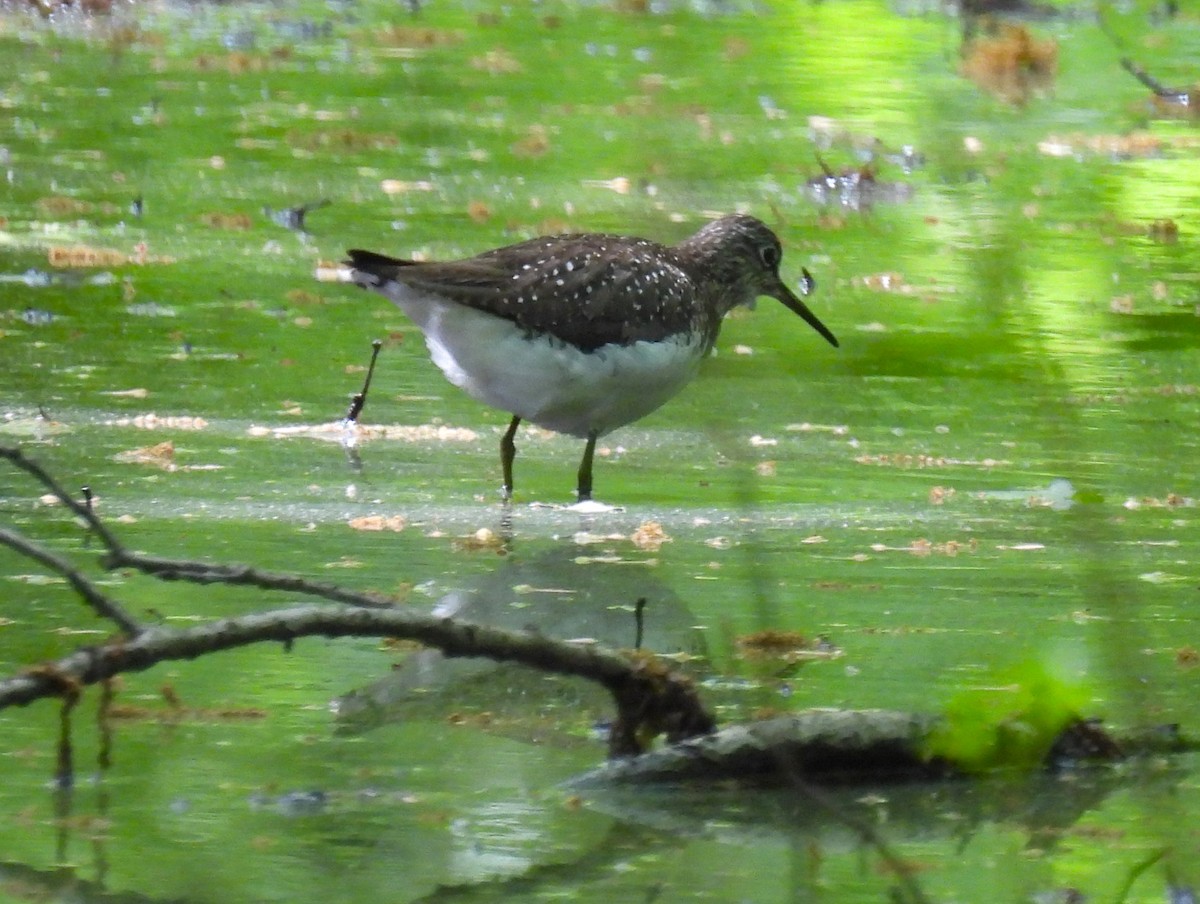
(588, 290)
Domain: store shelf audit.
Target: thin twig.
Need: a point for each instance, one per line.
(31, 467)
(104, 605)
(118, 556)
(242, 575)
(1173, 95)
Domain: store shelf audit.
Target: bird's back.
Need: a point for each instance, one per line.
(588, 290)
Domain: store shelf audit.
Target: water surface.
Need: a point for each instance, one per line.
(996, 467)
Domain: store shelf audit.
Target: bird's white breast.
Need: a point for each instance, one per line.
(544, 380)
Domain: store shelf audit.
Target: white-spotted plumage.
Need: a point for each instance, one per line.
(582, 334)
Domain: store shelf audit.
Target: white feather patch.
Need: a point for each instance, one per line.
(546, 381)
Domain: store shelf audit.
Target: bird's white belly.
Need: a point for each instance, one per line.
(546, 381)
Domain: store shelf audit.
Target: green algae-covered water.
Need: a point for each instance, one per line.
(995, 472)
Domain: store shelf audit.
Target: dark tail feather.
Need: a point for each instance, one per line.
(370, 262)
(372, 270)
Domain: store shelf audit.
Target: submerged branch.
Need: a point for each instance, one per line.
(828, 745)
(650, 698)
(646, 696)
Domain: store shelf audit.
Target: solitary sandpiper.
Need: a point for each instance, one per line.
(583, 333)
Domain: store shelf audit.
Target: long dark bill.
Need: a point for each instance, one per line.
(788, 297)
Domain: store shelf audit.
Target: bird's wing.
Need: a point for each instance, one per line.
(587, 290)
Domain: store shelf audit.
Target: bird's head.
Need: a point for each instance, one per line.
(742, 255)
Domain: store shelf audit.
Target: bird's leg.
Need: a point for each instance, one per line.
(508, 451)
(360, 398)
(584, 491)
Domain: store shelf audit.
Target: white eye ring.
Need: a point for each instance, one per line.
(769, 255)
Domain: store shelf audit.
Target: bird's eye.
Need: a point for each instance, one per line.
(769, 254)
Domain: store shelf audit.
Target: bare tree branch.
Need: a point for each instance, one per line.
(650, 698)
(104, 605)
(242, 575)
(118, 556)
(647, 694)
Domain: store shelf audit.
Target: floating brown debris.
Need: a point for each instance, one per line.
(236, 222)
(394, 523)
(161, 455)
(650, 536)
(535, 143)
(154, 422)
(176, 710)
(652, 82)
(1171, 500)
(1135, 145)
(410, 36)
(479, 212)
(734, 48)
(482, 719)
(910, 460)
(341, 140)
(940, 495)
(1162, 230)
(771, 643)
(84, 256)
(1010, 63)
(784, 646)
(497, 61)
(48, 8)
(239, 62)
(61, 206)
(304, 298)
(1175, 389)
(923, 548)
(339, 432)
(1165, 231)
